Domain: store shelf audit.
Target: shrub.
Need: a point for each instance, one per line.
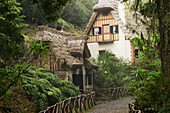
(45, 88)
(151, 87)
(112, 72)
(149, 91)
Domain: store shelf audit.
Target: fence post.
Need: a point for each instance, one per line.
(69, 104)
(88, 100)
(63, 107)
(116, 90)
(93, 98)
(79, 102)
(109, 92)
(83, 102)
(75, 104)
(54, 108)
(60, 110)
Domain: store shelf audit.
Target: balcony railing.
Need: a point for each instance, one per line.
(103, 38)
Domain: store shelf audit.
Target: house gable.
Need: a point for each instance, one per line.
(104, 22)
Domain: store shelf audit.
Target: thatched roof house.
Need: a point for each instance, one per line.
(126, 22)
(69, 56)
(107, 29)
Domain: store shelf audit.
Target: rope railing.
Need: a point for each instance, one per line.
(73, 104)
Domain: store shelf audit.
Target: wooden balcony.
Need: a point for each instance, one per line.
(103, 38)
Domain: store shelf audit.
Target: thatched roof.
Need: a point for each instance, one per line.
(105, 4)
(90, 64)
(64, 45)
(112, 5)
(77, 46)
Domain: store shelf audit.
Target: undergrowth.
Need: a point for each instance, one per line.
(17, 102)
(45, 88)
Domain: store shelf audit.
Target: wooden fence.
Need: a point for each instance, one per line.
(132, 109)
(118, 92)
(85, 101)
(73, 104)
(111, 93)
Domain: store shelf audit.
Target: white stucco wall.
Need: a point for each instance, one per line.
(120, 48)
(121, 11)
(128, 50)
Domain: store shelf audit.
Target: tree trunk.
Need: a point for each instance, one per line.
(163, 16)
(163, 7)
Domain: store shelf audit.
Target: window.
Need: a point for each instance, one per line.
(101, 52)
(96, 30)
(136, 53)
(114, 29)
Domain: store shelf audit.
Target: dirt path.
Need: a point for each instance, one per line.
(116, 106)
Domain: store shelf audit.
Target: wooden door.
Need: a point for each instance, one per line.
(106, 32)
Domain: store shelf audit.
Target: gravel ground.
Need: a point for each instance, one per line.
(116, 106)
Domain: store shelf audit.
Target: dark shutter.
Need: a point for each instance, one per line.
(100, 31)
(116, 28)
(111, 29)
(93, 31)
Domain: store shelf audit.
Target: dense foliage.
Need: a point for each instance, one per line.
(112, 72)
(151, 82)
(68, 26)
(156, 18)
(150, 88)
(51, 8)
(148, 48)
(42, 12)
(150, 94)
(78, 12)
(11, 39)
(13, 60)
(45, 88)
(32, 12)
(11, 43)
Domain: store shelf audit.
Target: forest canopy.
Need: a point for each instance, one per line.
(76, 12)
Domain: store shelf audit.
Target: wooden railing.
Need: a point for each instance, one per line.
(111, 93)
(73, 104)
(132, 109)
(118, 92)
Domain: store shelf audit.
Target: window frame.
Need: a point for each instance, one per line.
(111, 29)
(103, 52)
(99, 33)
